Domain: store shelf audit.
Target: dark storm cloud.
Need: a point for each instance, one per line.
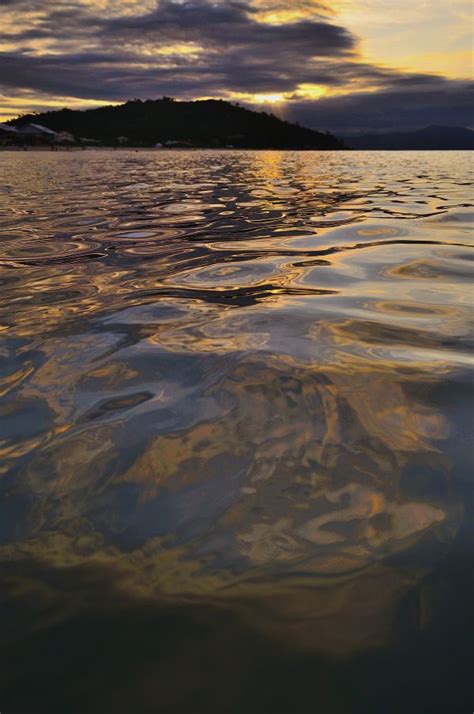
(95, 56)
(232, 27)
(219, 27)
(432, 100)
(239, 53)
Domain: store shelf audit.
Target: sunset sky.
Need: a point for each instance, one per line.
(342, 65)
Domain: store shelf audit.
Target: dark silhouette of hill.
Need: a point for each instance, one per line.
(199, 123)
(431, 137)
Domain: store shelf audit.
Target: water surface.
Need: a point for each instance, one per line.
(235, 398)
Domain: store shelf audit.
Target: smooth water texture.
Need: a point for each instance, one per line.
(235, 398)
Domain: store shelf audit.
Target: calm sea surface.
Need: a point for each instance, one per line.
(235, 404)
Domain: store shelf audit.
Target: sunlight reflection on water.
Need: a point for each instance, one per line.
(235, 380)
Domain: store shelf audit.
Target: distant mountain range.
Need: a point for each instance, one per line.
(214, 123)
(432, 137)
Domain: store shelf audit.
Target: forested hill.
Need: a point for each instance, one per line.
(199, 123)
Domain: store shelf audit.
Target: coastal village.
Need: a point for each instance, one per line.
(35, 135)
(41, 137)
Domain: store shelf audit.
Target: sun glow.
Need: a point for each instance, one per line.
(302, 92)
(269, 98)
(260, 98)
(311, 91)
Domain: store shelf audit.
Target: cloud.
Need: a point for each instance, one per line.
(113, 50)
(402, 106)
(233, 51)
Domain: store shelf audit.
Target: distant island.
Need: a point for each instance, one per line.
(430, 138)
(210, 123)
(171, 123)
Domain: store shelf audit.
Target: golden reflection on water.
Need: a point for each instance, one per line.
(222, 383)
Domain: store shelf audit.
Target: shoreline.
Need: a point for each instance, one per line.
(141, 149)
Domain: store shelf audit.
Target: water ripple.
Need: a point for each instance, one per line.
(226, 371)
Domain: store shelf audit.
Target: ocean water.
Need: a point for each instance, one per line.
(235, 411)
